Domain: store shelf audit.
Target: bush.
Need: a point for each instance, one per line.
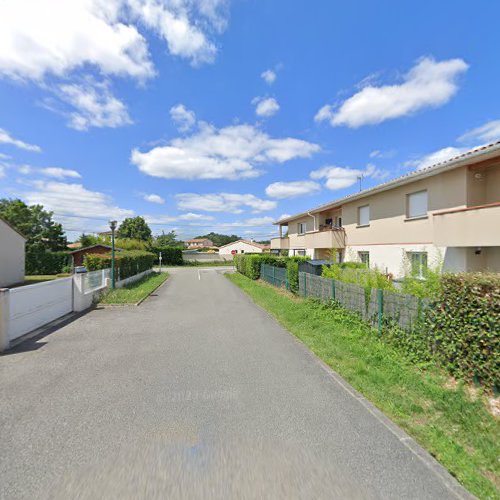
(367, 278)
(39, 261)
(465, 326)
(249, 263)
(128, 263)
(170, 256)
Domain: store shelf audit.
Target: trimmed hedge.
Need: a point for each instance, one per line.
(464, 323)
(170, 256)
(128, 263)
(45, 262)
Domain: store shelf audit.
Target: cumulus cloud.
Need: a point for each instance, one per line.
(6, 138)
(269, 76)
(291, 189)
(266, 106)
(154, 198)
(223, 202)
(184, 118)
(76, 207)
(344, 177)
(489, 132)
(428, 84)
(231, 152)
(92, 105)
(169, 219)
(60, 173)
(436, 157)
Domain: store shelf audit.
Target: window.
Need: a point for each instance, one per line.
(364, 258)
(364, 216)
(418, 263)
(300, 252)
(301, 228)
(339, 221)
(242, 251)
(416, 204)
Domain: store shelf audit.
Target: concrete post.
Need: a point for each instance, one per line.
(4, 318)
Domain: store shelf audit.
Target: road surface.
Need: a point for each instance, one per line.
(197, 393)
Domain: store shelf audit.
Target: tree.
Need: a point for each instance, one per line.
(168, 240)
(35, 224)
(135, 228)
(88, 240)
(220, 239)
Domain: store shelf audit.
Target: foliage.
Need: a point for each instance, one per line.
(456, 429)
(88, 240)
(170, 256)
(42, 261)
(35, 224)
(465, 326)
(429, 287)
(128, 263)
(220, 239)
(135, 228)
(367, 278)
(134, 292)
(168, 240)
(129, 244)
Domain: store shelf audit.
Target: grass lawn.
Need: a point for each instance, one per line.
(446, 418)
(133, 293)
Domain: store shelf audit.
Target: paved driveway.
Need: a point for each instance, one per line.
(197, 393)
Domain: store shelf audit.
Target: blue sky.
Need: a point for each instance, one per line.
(224, 115)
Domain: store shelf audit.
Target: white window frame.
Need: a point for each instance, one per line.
(360, 224)
(421, 213)
(422, 257)
(301, 228)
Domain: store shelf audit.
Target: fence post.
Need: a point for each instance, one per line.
(4, 318)
(274, 275)
(380, 302)
(305, 284)
(333, 289)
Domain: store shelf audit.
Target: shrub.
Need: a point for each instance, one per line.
(170, 256)
(430, 287)
(128, 263)
(367, 278)
(249, 263)
(465, 326)
(40, 261)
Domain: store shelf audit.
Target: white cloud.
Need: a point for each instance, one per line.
(6, 138)
(94, 105)
(344, 177)
(382, 154)
(292, 189)
(259, 221)
(228, 153)
(184, 118)
(4, 156)
(284, 216)
(76, 207)
(154, 198)
(266, 106)
(428, 84)
(489, 132)
(223, 202)
(435, 157)
(55, 37)
(169, 219)
(269, 76)
(60, 173)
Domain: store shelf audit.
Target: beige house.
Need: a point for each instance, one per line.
(11, 255)
(449, 213)
(199, 243)
(242, 246)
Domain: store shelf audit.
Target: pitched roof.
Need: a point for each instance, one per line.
(473, 156)
(253, 243)
(13, 228)
(197, 240)
(94, 246)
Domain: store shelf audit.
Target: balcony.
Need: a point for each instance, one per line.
(325, 238)
(468, 227)
(280, 243)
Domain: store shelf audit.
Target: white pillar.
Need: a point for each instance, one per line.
(4, 318)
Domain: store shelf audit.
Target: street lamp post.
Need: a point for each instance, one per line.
(112, 225)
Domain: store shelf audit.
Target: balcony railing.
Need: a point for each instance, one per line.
(325, 237)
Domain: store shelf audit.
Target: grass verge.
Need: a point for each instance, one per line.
(135, 292)
(444, 418)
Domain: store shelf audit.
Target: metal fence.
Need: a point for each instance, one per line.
(94, 280)
(273, 275)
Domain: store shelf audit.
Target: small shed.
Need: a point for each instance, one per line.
(80, 253)
(314, 266)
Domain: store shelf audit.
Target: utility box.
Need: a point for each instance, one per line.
(314, 266)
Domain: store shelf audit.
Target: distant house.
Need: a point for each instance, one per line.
(75, 245)
(11, 255)
(243, 246)
(199, 243)
(80, 253)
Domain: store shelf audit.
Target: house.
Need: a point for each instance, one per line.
(448, 212)
(242, 246)
(78, 254)
(12, 255)
(199, 243)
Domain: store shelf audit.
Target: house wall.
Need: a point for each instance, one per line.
(239, 246)
(11, 256)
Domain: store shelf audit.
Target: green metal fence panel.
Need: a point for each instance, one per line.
(276, 276)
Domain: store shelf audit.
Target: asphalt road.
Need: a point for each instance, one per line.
(197, 393)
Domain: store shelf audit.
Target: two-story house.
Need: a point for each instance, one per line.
(447, 213)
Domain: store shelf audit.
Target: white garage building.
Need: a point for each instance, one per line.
(242, 246)
(11, 255)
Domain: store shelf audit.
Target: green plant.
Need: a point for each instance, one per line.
(128, 263)
(41, 261)
(135, 228)
(170, 256)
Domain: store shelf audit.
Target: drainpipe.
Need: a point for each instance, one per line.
(314, 218)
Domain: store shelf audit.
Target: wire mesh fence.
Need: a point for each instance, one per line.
(276, 276)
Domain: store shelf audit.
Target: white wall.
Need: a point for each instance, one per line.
(239, 246)
(11, 256)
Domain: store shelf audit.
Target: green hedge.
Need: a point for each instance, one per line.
(464, 326)
(44, 262)
(128, 263)
(170, 256)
